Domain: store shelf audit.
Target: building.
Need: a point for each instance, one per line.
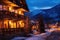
(12, 16)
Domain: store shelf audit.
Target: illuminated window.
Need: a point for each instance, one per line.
(11, 24)
(5, 23)
(21, 23)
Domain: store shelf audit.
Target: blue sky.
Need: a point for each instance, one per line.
(41, 4)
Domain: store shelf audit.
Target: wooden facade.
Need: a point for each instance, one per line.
(12, 19)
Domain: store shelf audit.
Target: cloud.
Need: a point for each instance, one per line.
(41, 4)
(38, 8)
(42, 7)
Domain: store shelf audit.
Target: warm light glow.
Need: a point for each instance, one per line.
(58, 28)
(33, 27)
(21, 23)
(16, 11)
(22, 9)
(0, 24)
(11, 9)
(52, 26)
(5, 23)
(14, 24)
(21, 13)
(11, 24)
(10, 3)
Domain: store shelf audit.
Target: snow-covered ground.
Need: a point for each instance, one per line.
(41, 36)
(33, 37)
(19, 38)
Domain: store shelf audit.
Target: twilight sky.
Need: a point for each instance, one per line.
(41, 4)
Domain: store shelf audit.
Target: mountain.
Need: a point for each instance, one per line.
(52, 14)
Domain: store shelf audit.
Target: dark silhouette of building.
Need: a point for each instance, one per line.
(41, 24)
